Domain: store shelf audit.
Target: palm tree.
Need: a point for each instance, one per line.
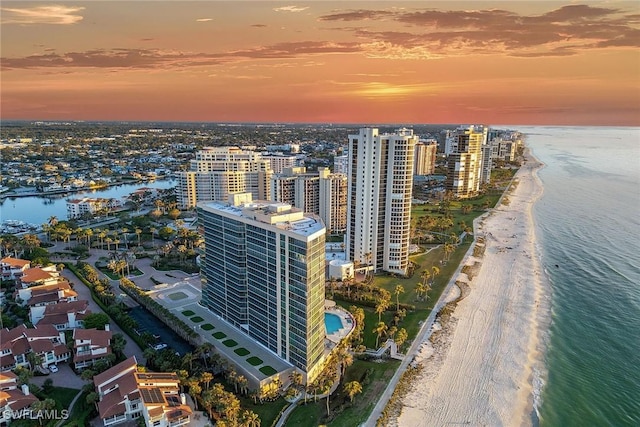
(382, 305)
(380, 329)
(206, 378)
(153, 232)
(243, 382)
(399, 289)
(101, 235)
(250, 419)
(138, 233)
(436, 272)
(187, 360)
(34, 360)
(419, 290)
(194, 390)
(347, 360)
(401, 337)
(296, 379)
(125, 231)
(425, 275)
(352, 388)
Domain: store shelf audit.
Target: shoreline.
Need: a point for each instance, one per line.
(487, 368)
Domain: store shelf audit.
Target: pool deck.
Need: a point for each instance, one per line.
(165, 295)
(348, 324)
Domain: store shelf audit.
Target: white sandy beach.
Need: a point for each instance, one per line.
(482, 374)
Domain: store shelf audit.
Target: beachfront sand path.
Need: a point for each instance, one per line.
(480, 372)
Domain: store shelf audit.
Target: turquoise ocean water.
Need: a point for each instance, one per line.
(588, 233)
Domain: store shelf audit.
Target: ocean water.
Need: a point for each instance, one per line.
(588, 232)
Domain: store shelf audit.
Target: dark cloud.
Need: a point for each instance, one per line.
(154, 58)
(357, 15)
(583, 26)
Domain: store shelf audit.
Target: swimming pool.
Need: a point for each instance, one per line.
(332, 323)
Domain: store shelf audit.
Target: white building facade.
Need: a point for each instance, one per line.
(217, 172)
(379, 200)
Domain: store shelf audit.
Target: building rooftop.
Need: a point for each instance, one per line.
(279, 215)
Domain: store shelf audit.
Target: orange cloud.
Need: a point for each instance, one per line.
(60, 15)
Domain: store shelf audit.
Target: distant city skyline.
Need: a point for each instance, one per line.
(492, 62)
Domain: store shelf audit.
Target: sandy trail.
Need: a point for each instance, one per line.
(482, 375)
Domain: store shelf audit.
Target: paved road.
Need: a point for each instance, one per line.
(84, 293)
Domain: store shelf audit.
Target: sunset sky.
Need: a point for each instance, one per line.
(500, 62)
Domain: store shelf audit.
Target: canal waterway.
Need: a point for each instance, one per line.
(38, 209)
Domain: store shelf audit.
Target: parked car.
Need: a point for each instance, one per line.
(53, 369)
(159, 346)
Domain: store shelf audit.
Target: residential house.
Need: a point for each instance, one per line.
(41, 295)
(39, 276)
(13, 399)
(63, 316)
(90, 345)
(126, 394)
(44, 340)
(13, 268)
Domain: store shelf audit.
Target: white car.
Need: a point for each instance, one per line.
(53, 369)
(159, 346)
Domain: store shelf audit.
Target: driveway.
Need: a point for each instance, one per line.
(84, 293)
(65, 377)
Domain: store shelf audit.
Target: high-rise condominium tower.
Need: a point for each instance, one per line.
(469, 165)
(321, 193)
(379, 203)
(264, 274)
(217, 172)
(425, 158)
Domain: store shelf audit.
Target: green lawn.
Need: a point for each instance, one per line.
(241, 351)
(412, 321)
(268, 370)
(63, 396)
(219, 335)
(230, 343)
(177, 296)
(255, 361)
(208, 326)
(188, 313)
(197, 319)
(267, 411)
(374, 378)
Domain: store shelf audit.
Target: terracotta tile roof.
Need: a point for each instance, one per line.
(7, 360)
(54, 319)
(97, 337)
(67, 307)
(17, 400)
(42, 331)
(4, 398)
(20, 346)
(15, 262)
(61, 349)
(53, 287)
(115, 370)
(12, 334)
(7, 376)
(40, 299)
(34, 275)
(41, 346)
